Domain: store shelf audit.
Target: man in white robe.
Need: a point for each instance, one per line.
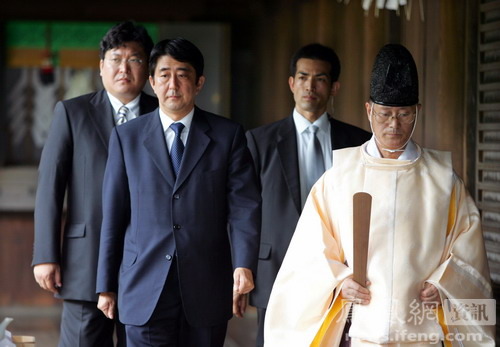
(425, 242)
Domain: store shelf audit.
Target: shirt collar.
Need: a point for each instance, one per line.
(166, 120)
(301, 122)
(133, 106)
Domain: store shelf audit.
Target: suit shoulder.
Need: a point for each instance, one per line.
(79, 100)
(212, 116)
(346, 126)
(217, 121)
(138, 122)
(349, 129)
(74, 108)
(271, 129)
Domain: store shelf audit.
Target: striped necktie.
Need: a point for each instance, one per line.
(121, 116)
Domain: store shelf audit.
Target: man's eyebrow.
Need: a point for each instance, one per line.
(165, 68)
(308, 74)
(132, 54)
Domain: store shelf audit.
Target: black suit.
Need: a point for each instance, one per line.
(73, 162)
(274, 150)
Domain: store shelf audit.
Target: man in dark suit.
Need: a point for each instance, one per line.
(73, 162)
(282, 151)
(181, 213)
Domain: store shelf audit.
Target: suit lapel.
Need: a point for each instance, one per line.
(154, 141)
(101, 114)
(196, 145)
(287, 151)
(333, 139)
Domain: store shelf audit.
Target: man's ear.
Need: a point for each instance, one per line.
(368, 107)
(335, 88)
(291, 82)
(200, 83)
(152, 81)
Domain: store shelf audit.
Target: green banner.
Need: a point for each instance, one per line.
(59, 35)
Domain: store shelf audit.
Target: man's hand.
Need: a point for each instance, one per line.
(353, 291)
(243, 280)
(107, 304)
(48, 276)
(430, 295)
(240, 303)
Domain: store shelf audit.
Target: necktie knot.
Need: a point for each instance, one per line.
(177, 128)
(121, 116)
(313, 129)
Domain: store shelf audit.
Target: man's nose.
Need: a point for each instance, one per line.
(124, 65)
(173, 82)
(310, 85)
(394, 121)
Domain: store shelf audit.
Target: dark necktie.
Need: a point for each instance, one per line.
(177, 147)
(315, 165)
(121, 116)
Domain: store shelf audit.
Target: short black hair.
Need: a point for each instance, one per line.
(317, 51)
(181, 50)
(124, 32)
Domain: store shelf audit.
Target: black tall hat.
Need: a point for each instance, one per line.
(394, 79)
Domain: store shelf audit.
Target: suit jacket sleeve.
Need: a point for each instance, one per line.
(116, 217)
(244, 204)
(252, 146)
(53, 172)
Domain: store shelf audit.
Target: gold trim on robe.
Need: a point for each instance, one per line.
(424, 227)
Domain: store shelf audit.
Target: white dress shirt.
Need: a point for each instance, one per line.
(133, 107)
(324, 137)
(169, 133)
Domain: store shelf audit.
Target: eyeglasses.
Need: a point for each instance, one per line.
(133, 62)
(405, 118)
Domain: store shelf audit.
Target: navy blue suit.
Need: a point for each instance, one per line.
(208, 218)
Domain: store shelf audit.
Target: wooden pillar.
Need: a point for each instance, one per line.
(444, 78)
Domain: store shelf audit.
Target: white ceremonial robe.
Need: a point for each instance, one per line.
(424, 227)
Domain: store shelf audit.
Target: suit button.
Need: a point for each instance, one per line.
(177, 227)
(177, 196)
(168, 257)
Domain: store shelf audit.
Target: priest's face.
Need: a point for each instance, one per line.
(392, 126)
(312, 87)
